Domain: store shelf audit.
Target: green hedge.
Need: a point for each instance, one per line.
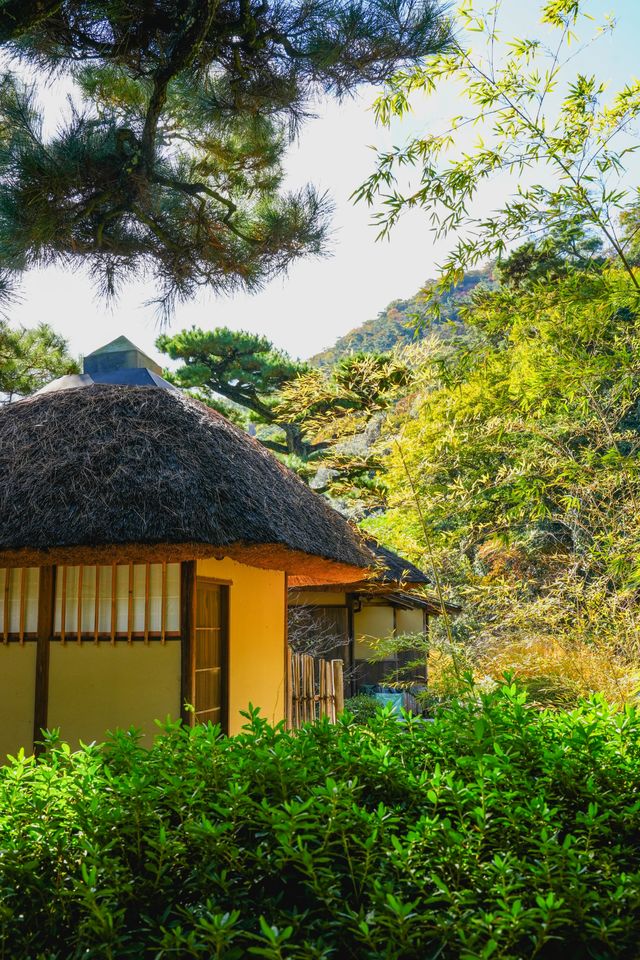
(494, 831)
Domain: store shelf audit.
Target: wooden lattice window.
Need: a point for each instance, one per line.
(132, 601)
(209, 661)
(19, 589)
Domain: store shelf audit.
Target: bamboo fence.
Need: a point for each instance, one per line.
(316, 689)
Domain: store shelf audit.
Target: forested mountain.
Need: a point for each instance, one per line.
(396, 324)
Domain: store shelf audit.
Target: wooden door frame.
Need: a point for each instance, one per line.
(46, 612)
(188, 587)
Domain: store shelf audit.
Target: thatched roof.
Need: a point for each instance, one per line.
(387, 571)
(391, 568)
(87, 472)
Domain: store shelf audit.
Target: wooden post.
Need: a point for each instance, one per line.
(46, 610)
(351, 663)
(338, 685)
(425, 629)
(7, 593)
(287, 658)
(322, 689)
(187, 618)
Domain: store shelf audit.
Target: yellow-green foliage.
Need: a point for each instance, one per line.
(521, 449)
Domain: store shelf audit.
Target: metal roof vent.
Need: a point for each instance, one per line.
(119, 355)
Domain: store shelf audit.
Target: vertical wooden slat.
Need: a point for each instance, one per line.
(147, 590)
(79, 606)
(305, 688)
(22, 602)
(96, 608)
(351, 645)
(322, 691)
(311, 688)
(46, 609)
(425, 633)
(7, 590)
(225, 619)
(338, 685)
(311, 693)
(63, 608)
(187, 650)
(287, 657)
(306, 676)
(289, 690)
(163, 604)
(130, 605)
(114, 602)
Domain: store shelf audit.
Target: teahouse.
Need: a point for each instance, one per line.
(145, 548)
(392, 600)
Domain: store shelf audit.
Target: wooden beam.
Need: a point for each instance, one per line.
(80, 604)
(46, 608)
(425, 630)
(147, 600)
(350, 664)
(163, 604)
(7, 597)
(114, 607)
(225, 614)
(187, 618)
(130, 605)
(23, 603)
(288, 703)
(63, 606)
(338, 686)
(96, 607)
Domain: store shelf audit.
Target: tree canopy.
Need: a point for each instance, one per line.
(170, 161)
(515, 469)
(316, 410)
(238, 366)
(557, 138)
(30, 358)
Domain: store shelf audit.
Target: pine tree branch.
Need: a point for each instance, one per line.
(182, 56)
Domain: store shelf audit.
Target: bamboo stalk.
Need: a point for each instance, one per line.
(311, 688)
(322, 690)
(337, 667)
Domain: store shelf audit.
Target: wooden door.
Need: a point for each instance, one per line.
(210, 653)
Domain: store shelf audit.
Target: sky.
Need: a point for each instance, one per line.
(318, 300)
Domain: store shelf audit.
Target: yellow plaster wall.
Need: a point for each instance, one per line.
(97, 687)
(409, 621)
(371, 622)
(317, 598)
(257, 613)
(17, 697)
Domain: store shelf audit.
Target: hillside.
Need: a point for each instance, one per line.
(395, 325)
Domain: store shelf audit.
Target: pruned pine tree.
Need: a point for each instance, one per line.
(170, 163)
(31, 358)
(240, 367)
(311, 409)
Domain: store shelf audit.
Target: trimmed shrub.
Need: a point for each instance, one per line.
(362, 707)
(495, 831)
